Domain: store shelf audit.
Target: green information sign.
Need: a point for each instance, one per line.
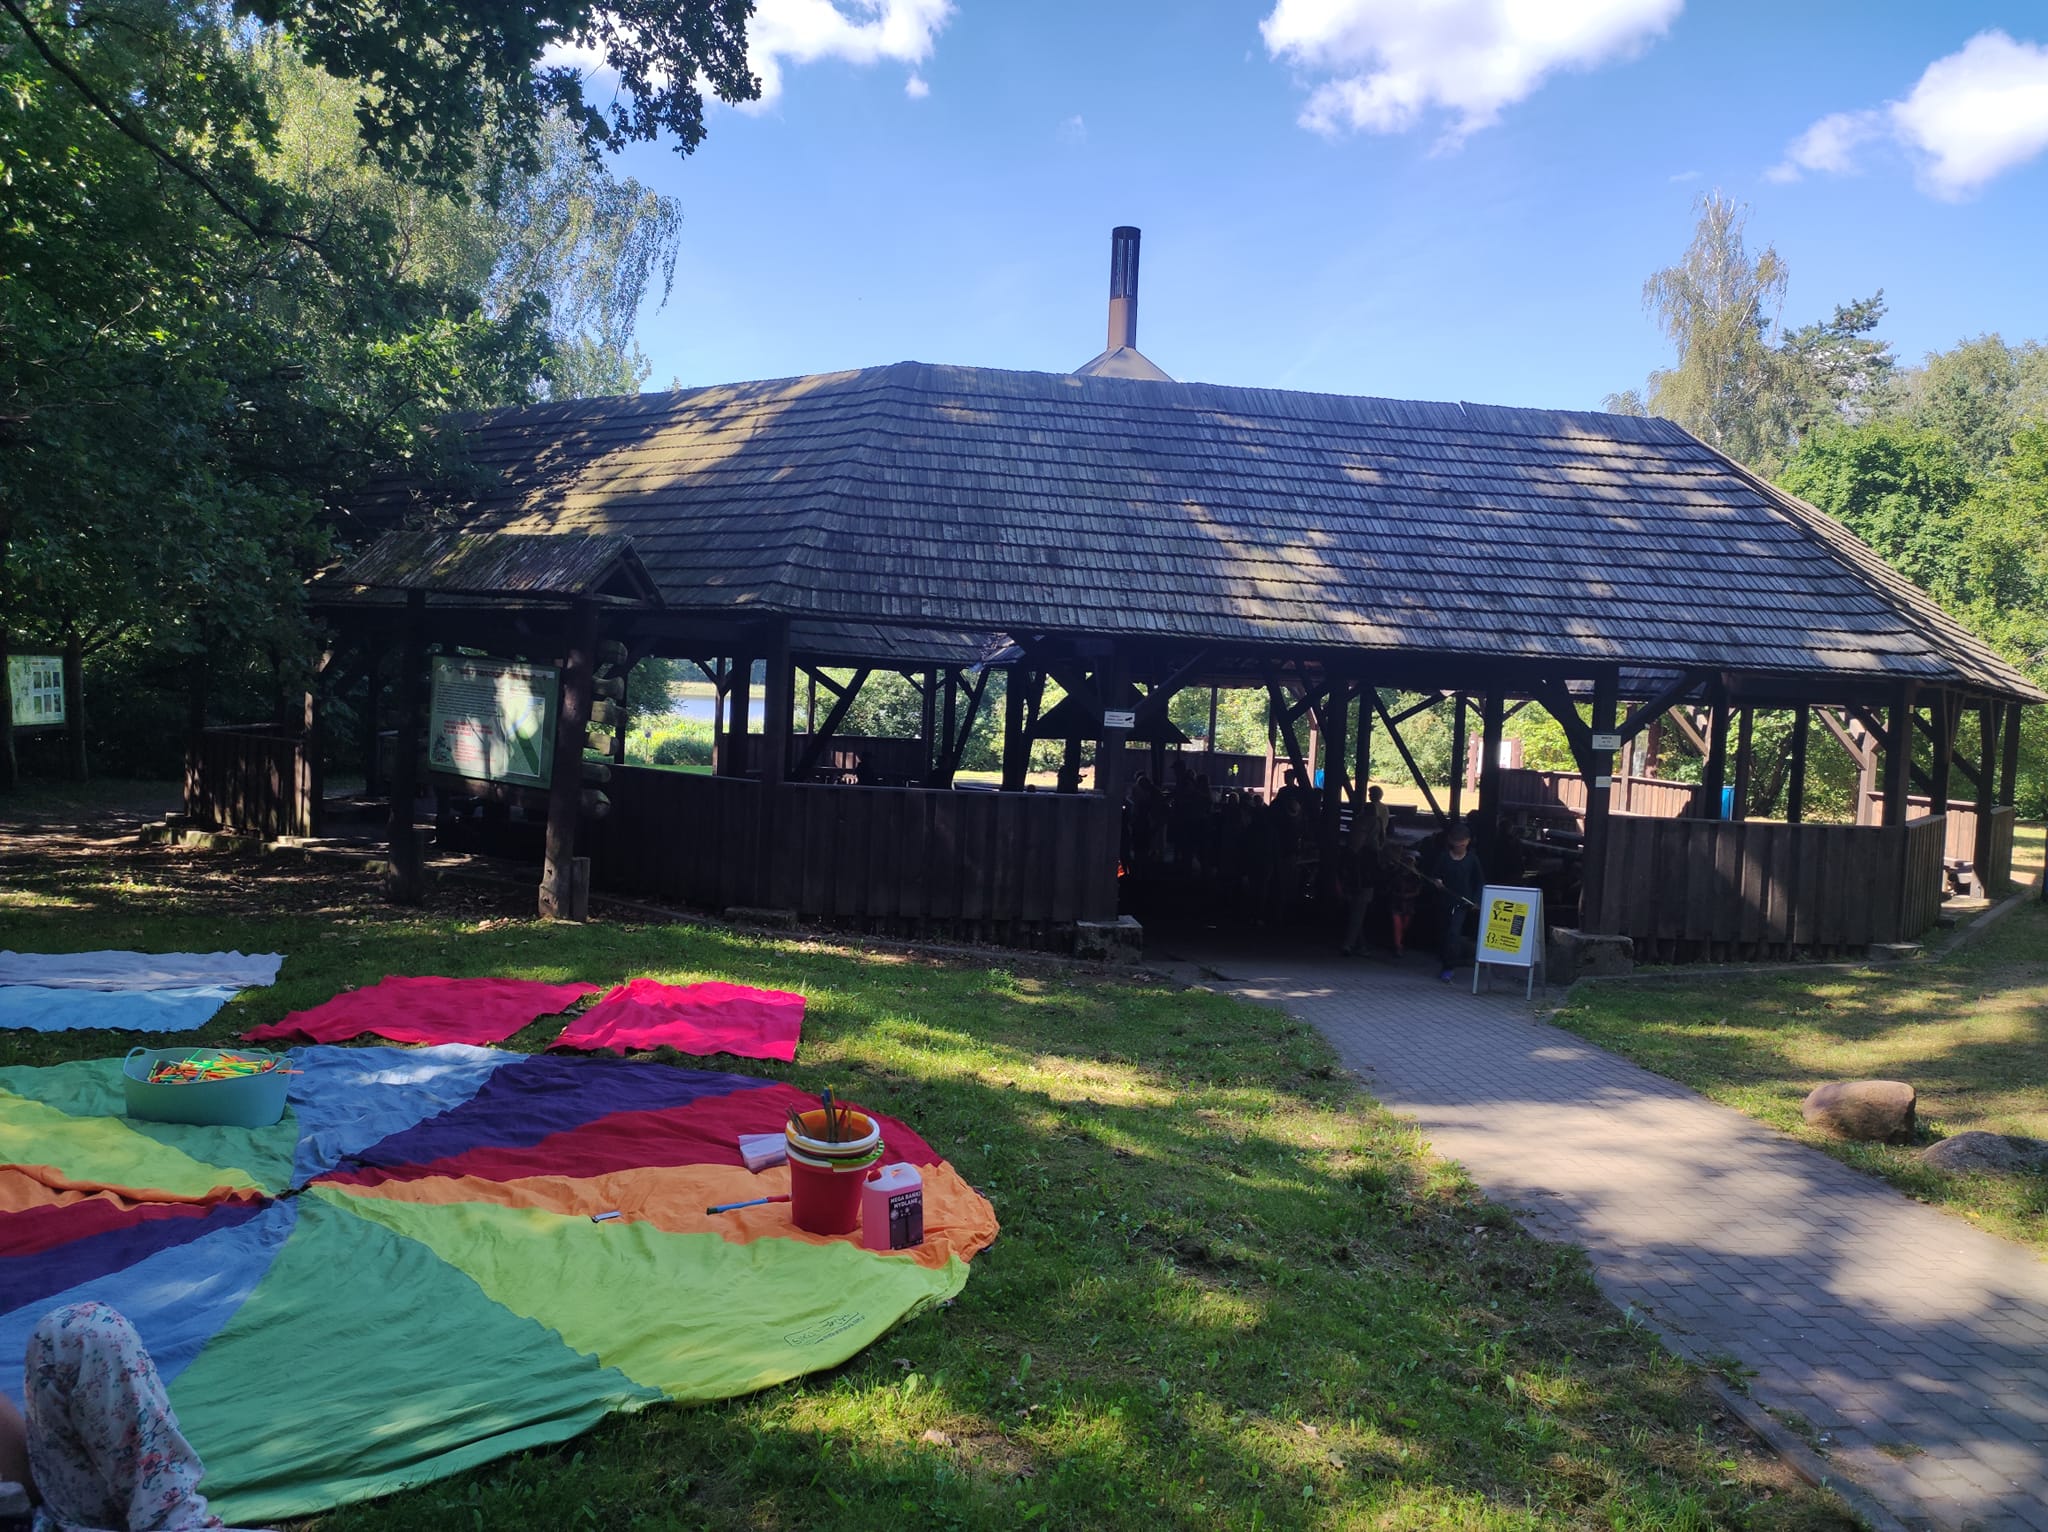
(37, 683)
(493, 720)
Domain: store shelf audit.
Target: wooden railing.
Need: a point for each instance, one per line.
(1961, 847)
(1002, 867)
(1524, 787)
(1703, 889)
(252, 779)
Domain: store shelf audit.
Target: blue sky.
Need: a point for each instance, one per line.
(1418, 198)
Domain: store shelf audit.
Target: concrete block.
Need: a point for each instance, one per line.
(1581, 954)
(1121, 940)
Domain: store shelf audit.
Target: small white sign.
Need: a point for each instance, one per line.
(1606, 741)
(1114, 719)
(1511, 932)
(37, 682)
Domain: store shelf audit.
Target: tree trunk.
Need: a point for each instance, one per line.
(74, 705)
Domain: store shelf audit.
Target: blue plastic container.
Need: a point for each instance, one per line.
(249, 1101)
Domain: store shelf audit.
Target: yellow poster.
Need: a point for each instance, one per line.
(1506, 922)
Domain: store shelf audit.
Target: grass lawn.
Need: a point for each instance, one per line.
(1969, 1033)
(1231, 1291)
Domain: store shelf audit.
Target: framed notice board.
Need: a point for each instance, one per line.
(493, 720)
(1511, 932)
(37, 684)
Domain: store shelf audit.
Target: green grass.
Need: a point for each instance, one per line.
(1969, 1033)
(1231, 1291)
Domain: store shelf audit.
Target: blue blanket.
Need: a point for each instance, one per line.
(131, 1010)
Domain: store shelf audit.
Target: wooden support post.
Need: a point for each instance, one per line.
(1745, 760)
(1945, 715)
(405, 883)
(1599, 771)
(10, 767)
(1361, 772)
(778, 703)
(1653, 747)
(1457, 756)
(1112, 684)
(1209, 742)
(1714, 776)
(564, 888)
(1795, 787)
(313, 734)
(1016, 747)
(1272, 740)
(739, 715)
(1336, 712)
(1987, 878)
(2009, 763)
(1492, 720)
(1898, 754)
(373, 709)
(74, 706)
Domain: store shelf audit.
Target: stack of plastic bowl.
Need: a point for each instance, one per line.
(826, 1173)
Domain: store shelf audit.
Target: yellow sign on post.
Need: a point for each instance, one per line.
(1511, 933)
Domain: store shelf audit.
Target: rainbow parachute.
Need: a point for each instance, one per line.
(402, 1278)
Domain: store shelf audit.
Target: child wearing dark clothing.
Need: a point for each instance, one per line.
(1460, 880)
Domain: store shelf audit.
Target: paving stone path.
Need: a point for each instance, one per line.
(1917, 1345)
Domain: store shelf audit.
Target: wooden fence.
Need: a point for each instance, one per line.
(1524, 787)
(1689, 890)
(252, 779)
(1009, 868)
(1961, 847)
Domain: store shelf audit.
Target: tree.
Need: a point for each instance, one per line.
(1978, 394)
(1740, 382)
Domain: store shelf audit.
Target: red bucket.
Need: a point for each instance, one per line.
(825, 1199)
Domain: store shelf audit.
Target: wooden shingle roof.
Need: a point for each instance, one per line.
(985, 500)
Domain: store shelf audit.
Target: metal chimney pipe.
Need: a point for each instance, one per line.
(1123, 288)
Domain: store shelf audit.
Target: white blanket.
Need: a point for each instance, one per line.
(139, 970)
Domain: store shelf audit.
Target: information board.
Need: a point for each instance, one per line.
(493, 720)
(37, 683)
(1511, 933)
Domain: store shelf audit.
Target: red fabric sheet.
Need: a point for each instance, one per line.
(428, 1010)
(691, 1018)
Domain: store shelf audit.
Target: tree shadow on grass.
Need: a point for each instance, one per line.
(1229, 1291)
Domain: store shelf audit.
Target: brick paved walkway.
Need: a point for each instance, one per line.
(1917, 1344)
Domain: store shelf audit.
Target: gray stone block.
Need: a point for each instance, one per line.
(1121, 940)
(1583, 955)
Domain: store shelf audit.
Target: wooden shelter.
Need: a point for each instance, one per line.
(1130, 536)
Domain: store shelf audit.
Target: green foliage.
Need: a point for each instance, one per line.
(669, 740)
(442, 85)
(650, 689)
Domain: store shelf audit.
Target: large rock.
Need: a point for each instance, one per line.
(1583, 955)
(1870, 1111)
(1999, 1152)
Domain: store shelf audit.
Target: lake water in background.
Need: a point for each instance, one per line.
(699, 709)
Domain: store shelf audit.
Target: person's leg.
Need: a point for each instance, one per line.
(13, 1446)
(1447, 949)
(104, 1444)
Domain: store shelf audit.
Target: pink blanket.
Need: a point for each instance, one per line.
(693, 1018)
(428, 1010)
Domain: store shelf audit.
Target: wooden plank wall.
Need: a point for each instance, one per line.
(253, 780)
(1525, 787)
(1998, 874)
(1962, 823)
(1690, 890)
(1010, 868)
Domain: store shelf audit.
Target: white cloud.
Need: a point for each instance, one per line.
(1384, 64)
(785, 32)
(1073, 130)
(1830, 145)
(1972, 116)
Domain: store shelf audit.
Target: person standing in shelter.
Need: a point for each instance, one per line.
(1459, 880)
(1363, 849)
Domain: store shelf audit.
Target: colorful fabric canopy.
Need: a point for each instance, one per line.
(691, 1018)
(402, 1278)
(427, 1010)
